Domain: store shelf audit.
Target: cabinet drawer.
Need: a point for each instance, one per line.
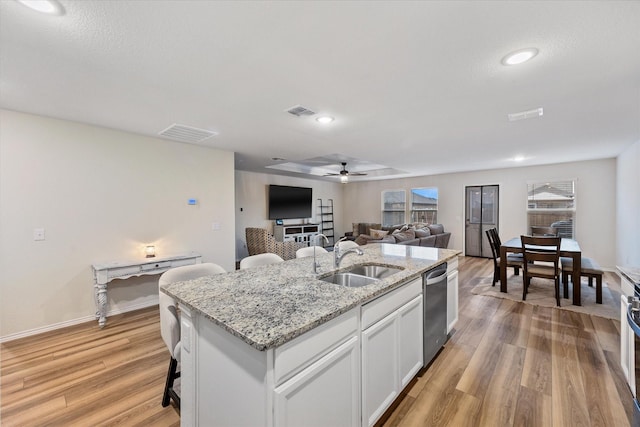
(300, 352)
(156, 265)
(379, 308)
(181, 262)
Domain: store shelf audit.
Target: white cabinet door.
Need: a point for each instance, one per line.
(624, 338)
(452, 300)
(410, 349)
(631, 351)
(627, 346)
(379, 368)
(392, 354)
(327, 393)
(627, 336)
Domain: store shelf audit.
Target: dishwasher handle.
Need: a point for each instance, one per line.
(435, 275)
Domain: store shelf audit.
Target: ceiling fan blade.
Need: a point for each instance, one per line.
(345, 173)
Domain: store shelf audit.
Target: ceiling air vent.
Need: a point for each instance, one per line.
(299, 110)
(186, 133)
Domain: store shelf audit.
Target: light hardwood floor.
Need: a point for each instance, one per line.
(508, 364)
(513, 364)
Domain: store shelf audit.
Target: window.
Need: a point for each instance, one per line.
(393, 207)
(424, 205)
(552, 204)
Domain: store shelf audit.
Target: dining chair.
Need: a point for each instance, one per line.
(512, 259)
(260, 259)
(308, 251)
(514, 255)
(544, 231)
(537, 250)
(170, 319)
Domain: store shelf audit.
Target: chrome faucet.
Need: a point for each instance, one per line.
(316, 264)
(338, 254)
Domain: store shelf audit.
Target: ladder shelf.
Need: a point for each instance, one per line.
(325, 218)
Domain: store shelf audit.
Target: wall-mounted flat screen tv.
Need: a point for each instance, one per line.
(289, 202)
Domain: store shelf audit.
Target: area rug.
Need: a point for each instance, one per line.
(541, 293)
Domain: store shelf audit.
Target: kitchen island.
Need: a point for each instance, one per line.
(276, 345)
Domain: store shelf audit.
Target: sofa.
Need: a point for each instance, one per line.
(414, 234)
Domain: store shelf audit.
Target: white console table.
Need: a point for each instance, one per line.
(106, 272)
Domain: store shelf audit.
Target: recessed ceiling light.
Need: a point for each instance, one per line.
(50, 7)
(519, 56)
(325, 120)
(529, 114)
(518, 158)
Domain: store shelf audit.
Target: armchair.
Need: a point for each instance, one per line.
(260, 241)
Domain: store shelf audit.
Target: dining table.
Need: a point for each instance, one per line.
(568, 248)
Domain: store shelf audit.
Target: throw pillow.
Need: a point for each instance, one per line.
(422, 232)
(378, 234)
(399, 228)
(385, 239)
(369, 225)
(355, 228)
(404, 235)
(436, 228)
(362, 239)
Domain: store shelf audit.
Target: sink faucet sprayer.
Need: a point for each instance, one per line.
(338, 254)
(315, 263)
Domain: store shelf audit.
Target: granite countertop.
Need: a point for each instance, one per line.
(270, 305)
(632, 273)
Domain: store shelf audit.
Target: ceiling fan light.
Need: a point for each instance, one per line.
(344, 179)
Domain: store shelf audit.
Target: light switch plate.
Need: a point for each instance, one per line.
(38, 234)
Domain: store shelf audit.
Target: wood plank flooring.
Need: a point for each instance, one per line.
(508, 364)
(513, 364)
(85, 376)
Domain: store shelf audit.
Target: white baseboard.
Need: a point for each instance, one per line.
(92, 318)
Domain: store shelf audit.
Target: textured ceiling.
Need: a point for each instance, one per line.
(416, 87)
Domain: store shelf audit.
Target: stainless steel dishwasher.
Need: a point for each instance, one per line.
(435, 311)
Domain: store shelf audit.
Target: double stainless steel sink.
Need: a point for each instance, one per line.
(361, 275)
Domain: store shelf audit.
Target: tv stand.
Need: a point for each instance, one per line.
(300, 233)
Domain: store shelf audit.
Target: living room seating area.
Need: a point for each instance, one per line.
(413, 234)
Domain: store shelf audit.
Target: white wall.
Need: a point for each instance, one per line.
(101, 195)
(251, 202)
(595, 200)
(628, 207)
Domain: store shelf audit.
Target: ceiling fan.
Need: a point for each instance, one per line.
(344, 174)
